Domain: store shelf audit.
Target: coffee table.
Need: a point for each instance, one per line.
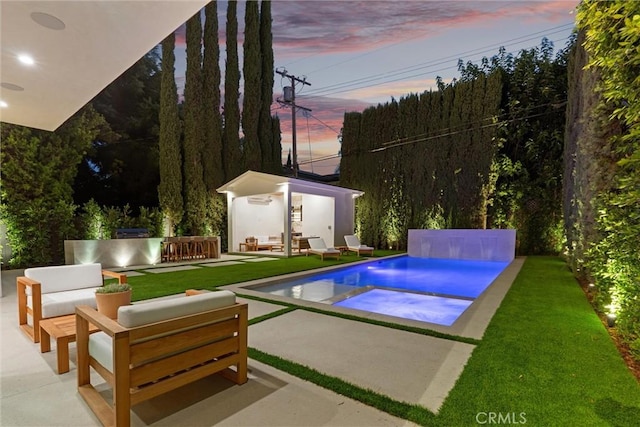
(63, 329)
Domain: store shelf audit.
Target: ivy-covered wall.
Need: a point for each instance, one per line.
(602, 161)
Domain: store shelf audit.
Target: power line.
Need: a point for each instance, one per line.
(440, 61)
(354, 86)
(411, 140)
(390, 144)
(361, 82)
(353, 58)
(325, 125)
(306, 114)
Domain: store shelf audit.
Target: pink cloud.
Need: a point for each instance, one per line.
(349, 26)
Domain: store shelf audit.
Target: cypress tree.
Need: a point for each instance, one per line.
(170, 188)
(276, 146)
(212, 120)
(231, 139)
(271, 149)
(252, 88)
(195, 194)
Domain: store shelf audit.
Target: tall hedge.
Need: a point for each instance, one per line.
(36, 195)
(422, 152)
(603, 198)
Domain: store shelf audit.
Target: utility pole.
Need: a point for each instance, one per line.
(290, 100)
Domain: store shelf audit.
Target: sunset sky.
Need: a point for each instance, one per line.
(360, 53)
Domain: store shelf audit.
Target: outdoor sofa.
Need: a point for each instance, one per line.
(158, 346)
(45, 292)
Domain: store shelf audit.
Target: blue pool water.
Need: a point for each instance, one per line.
(426, 289)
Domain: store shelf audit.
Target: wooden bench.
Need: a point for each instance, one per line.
(159, 346)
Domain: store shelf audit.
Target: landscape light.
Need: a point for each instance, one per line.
(611, 320)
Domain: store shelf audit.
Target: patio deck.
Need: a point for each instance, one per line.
(363, 354)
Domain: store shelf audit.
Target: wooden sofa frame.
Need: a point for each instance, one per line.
(35, 311)
(154, 358)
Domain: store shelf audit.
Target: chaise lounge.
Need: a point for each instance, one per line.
(354, 245)
(158, 346)
(318, 247)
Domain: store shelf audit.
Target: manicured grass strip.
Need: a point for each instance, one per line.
(546, 357)
(268, 301)
(271, 315)
(414, 413)
(171, 283)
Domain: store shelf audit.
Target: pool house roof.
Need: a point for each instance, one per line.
(253, 183)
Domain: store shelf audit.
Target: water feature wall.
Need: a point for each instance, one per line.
(479, 245)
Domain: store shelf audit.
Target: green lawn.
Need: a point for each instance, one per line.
(545, 359)
(546, 355)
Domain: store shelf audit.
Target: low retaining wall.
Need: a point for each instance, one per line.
(114, 252)
(480, 245)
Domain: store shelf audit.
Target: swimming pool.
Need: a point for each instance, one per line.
(426, 289)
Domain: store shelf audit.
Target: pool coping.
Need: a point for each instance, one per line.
(471, 324)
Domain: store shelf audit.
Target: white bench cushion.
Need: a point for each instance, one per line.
(56, 304)
(131, 316)
(66, 277)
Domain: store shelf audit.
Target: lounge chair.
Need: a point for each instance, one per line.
(353, 245)
(318, 247)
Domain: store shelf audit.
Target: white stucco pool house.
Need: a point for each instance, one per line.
(279, 208)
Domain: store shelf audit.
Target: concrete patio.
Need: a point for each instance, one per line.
(402, 365)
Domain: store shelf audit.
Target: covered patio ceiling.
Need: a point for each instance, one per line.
(78, 48)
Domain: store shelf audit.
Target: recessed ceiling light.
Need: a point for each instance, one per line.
(26, 59)
(3, 104)
(47, 21)
(11, 86)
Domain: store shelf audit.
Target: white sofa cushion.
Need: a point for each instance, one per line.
(65, 277)
(56, 304)
(131, 316)
(101, 344)
(101, 349)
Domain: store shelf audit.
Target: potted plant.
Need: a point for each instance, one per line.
(111, 296)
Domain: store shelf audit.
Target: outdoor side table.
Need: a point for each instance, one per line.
(63, 330)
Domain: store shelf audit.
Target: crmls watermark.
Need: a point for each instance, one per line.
(501, 418)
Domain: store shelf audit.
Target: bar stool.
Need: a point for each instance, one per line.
(184, 242)
(197, 247)
(171, 249)
(211, 245)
